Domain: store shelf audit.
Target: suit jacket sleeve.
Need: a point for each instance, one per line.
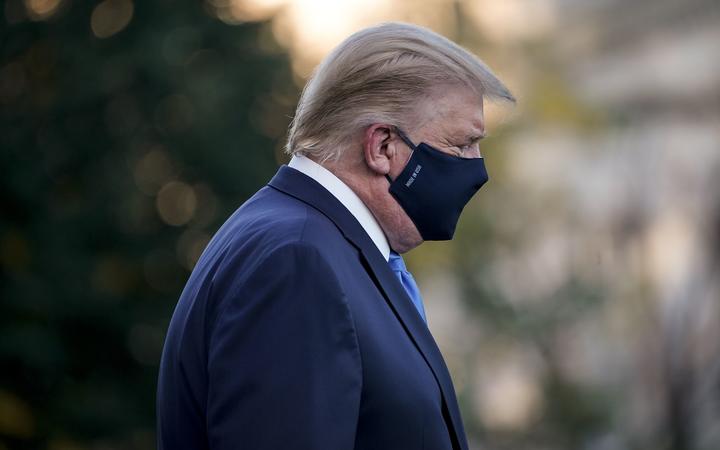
(284, 365)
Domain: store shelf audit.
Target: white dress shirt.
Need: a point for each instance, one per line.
(346, 196)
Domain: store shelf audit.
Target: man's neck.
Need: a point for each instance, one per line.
(369, 187)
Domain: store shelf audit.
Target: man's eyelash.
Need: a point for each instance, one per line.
(470, 143)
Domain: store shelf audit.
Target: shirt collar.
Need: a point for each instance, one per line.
(346, 196)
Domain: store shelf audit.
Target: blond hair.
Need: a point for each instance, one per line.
(378, 75)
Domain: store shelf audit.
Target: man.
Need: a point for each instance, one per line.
(300, 328)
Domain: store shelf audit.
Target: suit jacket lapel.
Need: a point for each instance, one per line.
(304, 188)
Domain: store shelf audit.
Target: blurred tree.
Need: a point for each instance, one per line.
(129, 131)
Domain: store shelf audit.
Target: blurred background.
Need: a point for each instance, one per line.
(577, 308)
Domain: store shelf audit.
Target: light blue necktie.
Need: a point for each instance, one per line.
(408, 282)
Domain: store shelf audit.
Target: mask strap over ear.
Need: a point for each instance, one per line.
(407, 141)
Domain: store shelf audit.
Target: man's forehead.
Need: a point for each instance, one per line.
(464, 118)
(459, 107)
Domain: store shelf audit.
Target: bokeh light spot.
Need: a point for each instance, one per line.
(153, 170)
(41, 9)
(239, 11)
(176, 203)
(509, 397)
(111, 17)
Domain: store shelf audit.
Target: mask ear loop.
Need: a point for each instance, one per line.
(407, 141)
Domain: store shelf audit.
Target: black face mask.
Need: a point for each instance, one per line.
(434, 187)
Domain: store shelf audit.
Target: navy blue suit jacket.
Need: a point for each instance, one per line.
(293, 333)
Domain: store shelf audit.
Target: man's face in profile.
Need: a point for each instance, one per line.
(453, 122)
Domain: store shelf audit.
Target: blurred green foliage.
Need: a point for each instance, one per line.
(92, 130)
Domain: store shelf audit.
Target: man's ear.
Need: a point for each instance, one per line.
(380, 147)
